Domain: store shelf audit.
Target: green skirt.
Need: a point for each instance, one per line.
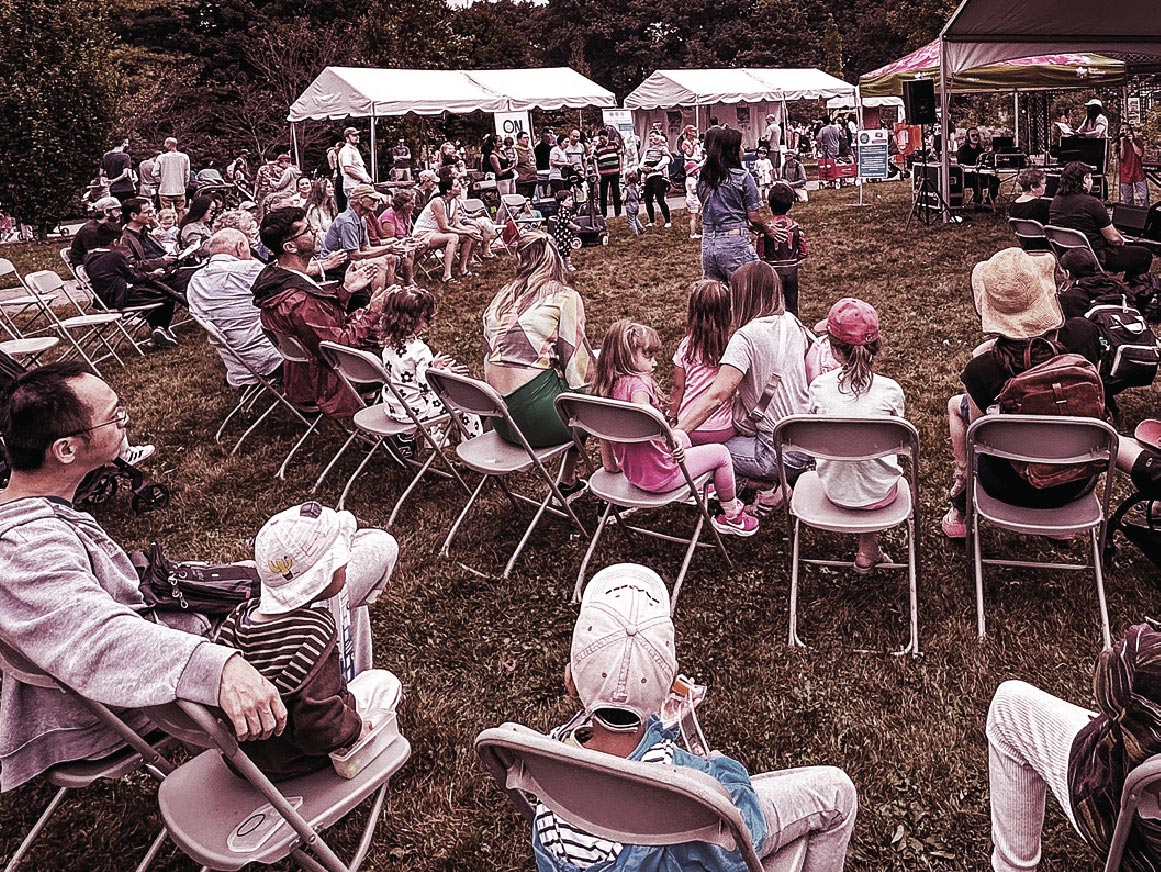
(533, 408)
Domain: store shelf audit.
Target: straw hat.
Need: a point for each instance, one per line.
(1015, 294)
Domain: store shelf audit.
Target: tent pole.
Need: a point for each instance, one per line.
(294, 145)
(945, 128)
(374, 150)
(1016, 95)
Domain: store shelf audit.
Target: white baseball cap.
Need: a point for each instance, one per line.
(298, 552)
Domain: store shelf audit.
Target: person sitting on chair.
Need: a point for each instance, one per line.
(1031, 205)
(622, 668)
(968, 156)
(1037, 741)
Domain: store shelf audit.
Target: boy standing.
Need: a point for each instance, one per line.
(622, 667)
(633, 203)
(291, 637)
(784, 256)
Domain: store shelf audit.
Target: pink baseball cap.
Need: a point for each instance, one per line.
(622, 644)
(853, 322)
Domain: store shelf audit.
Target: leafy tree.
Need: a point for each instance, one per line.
(57, 106)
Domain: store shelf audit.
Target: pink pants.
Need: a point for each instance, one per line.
(701, 459)
(712, 437)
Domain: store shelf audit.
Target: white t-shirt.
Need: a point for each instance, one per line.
(351, 160)
(765, 169)
(769, 352)
(855, 484)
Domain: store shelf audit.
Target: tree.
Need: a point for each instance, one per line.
(56, 107)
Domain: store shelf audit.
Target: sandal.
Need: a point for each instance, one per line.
(864, 568)
(468, 274)
(450, 280)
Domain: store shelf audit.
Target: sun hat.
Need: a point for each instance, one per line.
(1015, 294)
(853, 322)
(364, 191)
(622, 643)
(298, 552)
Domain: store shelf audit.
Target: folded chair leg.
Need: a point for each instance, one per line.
(913, 587)
(153, 851)
(358, 471)
(689, 552)
(580, 576)
(792, 638)
(286, 463)
(41, 821)
(445, 551)
(978, 572)
(1100, 586)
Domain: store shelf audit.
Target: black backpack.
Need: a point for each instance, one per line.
(1129, 355)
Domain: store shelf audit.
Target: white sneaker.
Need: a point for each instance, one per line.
(162, 338)
(135, 454)
(667, 224)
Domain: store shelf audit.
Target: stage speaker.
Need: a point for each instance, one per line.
(919, 101)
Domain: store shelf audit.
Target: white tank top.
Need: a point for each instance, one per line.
(427, 223)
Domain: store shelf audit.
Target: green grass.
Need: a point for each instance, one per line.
(473, 652)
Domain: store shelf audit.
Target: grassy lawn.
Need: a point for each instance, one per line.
(475, 651)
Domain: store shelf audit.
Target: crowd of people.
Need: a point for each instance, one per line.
(330, 260)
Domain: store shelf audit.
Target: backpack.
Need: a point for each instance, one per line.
(211, 589)
(785, 254)
(1066, 384)
(1129, 355)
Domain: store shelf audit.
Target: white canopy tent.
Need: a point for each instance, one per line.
(984, 32)
(740, 97)
(361, 92)
(868, 108)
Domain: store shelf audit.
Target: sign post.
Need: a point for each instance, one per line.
(873, 157)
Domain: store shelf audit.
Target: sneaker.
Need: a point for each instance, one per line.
(136, 454)
(162, 338)
(953, 524)
(741, 524)
(572, 492)
(667, 224)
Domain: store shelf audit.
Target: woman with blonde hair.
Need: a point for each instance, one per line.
(763, 370)
(536, 348)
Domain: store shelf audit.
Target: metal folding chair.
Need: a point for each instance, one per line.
(1063, 239)
(133, 317)
(224, 821)
(87, 334)
(1030, 235)
(1140, 797)
(850, 440)
(617, 421)
(140, 754)
(622, 800)
(357, 366)
(1041, 439)
(14, 309)
(496, 459)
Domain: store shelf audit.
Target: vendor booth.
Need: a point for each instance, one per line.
(741, 98)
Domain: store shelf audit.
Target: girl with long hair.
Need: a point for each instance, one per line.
(321, 207)
(696, 361)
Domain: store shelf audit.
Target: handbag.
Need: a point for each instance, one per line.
(207, 588)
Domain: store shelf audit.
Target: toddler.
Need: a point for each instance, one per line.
(764, 171)
(855, 391)
(695, 363)
(794, 174)
(565, 229)
(783, 242)
(166, 232)
(692, 203)
(290, 636)
(625, 372)
(407, 314)
(633, 203)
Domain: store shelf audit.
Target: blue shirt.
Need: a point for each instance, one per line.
(729, 206)
(348, 232)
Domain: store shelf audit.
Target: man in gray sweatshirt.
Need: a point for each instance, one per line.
(69, 599)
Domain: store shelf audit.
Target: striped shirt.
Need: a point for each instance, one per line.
(285, 648)
(571, 843)
(608, 160)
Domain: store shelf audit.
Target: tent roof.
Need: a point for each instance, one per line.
(341, 92)
(867, 102)
(987, 31)
(546, 88)
(666, 88)
(1045, 71)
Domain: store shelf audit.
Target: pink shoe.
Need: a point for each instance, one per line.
(742, 524)
(953, 525)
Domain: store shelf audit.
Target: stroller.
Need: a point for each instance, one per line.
(512, 209)
(594, 228)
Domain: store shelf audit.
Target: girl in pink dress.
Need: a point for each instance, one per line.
(625, 372)
(695, 363)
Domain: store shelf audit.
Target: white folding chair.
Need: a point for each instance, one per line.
(1041, 439)
(140, 754)
(132, 317)
(1064, 239)
(1140, 797)
(87, 334)
(617, 421)
(225, 820)
(1030, 235)
(850, 440)
(496, 459)
(624, 801)
(24, 304)
(359, 367)
(26, 350)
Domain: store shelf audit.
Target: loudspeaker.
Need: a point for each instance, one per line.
(919, 101)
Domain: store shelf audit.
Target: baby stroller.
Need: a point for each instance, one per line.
(594, 229)
(512, 209)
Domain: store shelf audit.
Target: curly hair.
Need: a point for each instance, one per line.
(1072, 178)
(406, 313)
(624, 339)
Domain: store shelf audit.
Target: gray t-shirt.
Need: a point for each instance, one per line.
(770, 353)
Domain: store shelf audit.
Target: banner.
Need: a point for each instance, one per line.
(620, 120)
(512, 124)
(872, 151)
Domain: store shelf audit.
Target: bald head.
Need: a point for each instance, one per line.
(232, 242)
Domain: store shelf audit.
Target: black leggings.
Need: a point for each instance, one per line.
(1135, 260)
(655, 188)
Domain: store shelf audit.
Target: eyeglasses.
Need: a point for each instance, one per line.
(120, 418)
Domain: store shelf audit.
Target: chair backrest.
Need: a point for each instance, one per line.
(1140, 796)
(513, 201)
(1043, 439)
(1064, 238)
(465, 394)
(44, 282)
(290, 348)
(613, 420)
(6, 267)
(838, 438)
(64, 256)
(354, 364)
(474, 207)
(622, 800)
(1030, 234)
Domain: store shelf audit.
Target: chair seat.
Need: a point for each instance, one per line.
(1077, 516)
(223, 822)
(24, 347)
(374, 419)
(613, 487)
(811, 505)
(144, 307)
(491, 455)
(77, 774)
(20, 301)
(98, 320)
